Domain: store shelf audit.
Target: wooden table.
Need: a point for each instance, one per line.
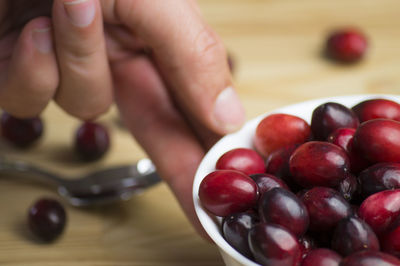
(277, 46)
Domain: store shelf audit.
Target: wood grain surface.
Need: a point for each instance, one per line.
(277, 49)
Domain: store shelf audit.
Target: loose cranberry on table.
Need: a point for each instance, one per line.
(370, 258)
(21, 133)
(321, 256)
(92, 141)
(224, 192)
(379, 177)
(272, 244)
(377, 108)
(47, 219)
(328, 117)
(282, 207)
(242, 159)
(235, 229)
(277, 131)
(318, 163)
(346, 45)
(326, 207)
(378, 140)
(380, 210)
(266, 182)
(353, 234)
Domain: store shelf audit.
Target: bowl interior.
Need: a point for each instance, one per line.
(243, 138)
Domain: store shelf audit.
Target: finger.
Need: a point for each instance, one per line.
(31, 76)
(149, 114)
(85, 89)
(189, 55)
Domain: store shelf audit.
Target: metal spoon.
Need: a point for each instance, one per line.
(99, 187)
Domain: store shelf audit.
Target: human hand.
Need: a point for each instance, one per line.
(176, 100)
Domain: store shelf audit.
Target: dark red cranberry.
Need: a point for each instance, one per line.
(21, 133)
(242, 159)
(92, 141)
(379, 177)
(390, 240)
(370, 258)
(317, 163)
(353, 234)
(346, 45)
(321, 256)
(47, 219)
(266, 182)
(277, 131)
(272, 244)
(282, 207)
(378, 140)
(224, 192)
(235, 229)
(326, 207)
(231, 63)
(329, 117)
(377, 108)
(348, 187)
(307, 243)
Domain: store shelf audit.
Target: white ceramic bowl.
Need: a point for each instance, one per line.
(243, 138)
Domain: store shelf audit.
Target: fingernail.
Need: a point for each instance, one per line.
(42, 40)
(228, 110)
(80, 12)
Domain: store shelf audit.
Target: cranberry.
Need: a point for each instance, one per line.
(380, 210)
(244, 160)
(353, 234)
(390, 240)
(321, 256)
(317, 163)
(326, 207)
(377, 108)
(266, 182)
(231, 63)
(236, 227)
(330, 116)
(346, 45)
(379, 177)
(348, 187)
(47, 219)
(273, 245)
(91, 141)
(224, 192)
(279, 130)
(307, 243)
(282, 207)
(370, 258)
(378, 140)
(21, 133)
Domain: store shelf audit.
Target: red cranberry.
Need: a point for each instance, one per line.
(266, 182)
(244, 160)
(348, 187)
(21, 133)
(377, 108)
(317, 163)
(353, 234)
(326, 207)
(321, 256)
(390, 240)
(91, 141)
(236, 227)
(378, 140)
(277, 131)
(224, 192)
(282, 207)
(379, 177)
(47, 219)
(329, 117)
(307, 243)
(380, 210)
(370, 258)
(346, 45)
(273, 245)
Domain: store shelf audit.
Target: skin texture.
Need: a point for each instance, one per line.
(169, 76)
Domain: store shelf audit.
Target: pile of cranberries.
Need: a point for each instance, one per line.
(325, 193)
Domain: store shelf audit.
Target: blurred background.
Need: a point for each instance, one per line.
(277, 48)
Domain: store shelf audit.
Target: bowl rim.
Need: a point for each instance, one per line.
(243, 138)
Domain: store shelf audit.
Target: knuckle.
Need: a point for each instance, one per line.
(208, 48)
